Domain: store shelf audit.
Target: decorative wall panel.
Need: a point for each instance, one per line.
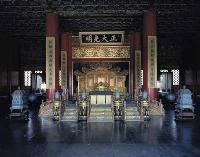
(101, 52)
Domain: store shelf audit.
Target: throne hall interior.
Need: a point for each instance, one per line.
(99, 78)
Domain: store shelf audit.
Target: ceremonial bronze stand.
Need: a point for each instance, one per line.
(83, 109)
(118, 107)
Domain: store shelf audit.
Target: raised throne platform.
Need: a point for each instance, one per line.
(100, 106)
(100, 97)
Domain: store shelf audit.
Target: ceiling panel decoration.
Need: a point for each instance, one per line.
(27, 17)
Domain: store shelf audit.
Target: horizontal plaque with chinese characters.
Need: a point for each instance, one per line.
(152, 62)
(102, 38)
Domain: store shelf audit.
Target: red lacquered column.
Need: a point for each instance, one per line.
(64, 39)
(132, 67)
(52, 31)
(137, 47)
(64, 48)
(149, 30)
(69, 66)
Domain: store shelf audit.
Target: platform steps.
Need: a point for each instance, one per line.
(131, 112)
(100, 113)
(46, 110)
(70, 114)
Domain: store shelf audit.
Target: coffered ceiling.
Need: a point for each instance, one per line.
(27, 17)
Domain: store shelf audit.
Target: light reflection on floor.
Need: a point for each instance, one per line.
(161, 136)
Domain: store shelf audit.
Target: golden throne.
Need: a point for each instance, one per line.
(101, 86)
(101, 79)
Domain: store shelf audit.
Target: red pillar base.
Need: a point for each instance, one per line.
(152, 93)
(50, 94)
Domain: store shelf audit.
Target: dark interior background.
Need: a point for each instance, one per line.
(22, 32)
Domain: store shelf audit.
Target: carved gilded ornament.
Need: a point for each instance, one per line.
(101, 52)
(101, 79)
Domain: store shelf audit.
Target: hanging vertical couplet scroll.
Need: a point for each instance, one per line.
(137, 69)
(152, 61)
(63, 69)
(50, 62)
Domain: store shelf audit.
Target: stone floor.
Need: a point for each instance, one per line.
(160, 137)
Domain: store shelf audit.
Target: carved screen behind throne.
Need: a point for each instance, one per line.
(109, 79)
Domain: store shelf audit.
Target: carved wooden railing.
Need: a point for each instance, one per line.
(83, 104)
(112, 109)
(124, 116)
(46, 109)
(140, 109)
(62, 108)
(156, 108)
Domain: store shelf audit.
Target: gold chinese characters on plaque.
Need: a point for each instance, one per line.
(102, 38)
(63, 69)
(137, 69)
(152, 61)
(50, 62)
(101, 52)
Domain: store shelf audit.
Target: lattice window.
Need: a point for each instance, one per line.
(141, 77)
(27, 78)
(38, 72)
(59, 77)
(175, 76)
(164, 71)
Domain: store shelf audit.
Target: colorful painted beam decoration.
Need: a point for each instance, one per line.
(101, 38)
(50, 62)
(152, 61)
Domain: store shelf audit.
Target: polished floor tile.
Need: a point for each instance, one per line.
(42, 137)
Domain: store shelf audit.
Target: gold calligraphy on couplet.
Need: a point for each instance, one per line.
(50, 62)
(152, 61)
(101, 52)
(138, 69)
(63, 69)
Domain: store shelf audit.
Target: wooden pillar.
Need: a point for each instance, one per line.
(137, 40)
(137, 59)
(135, 47)
(52, 31)
(69, 66)
(149, 30)
(132, 67)
(64, 38)
(64, 47)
